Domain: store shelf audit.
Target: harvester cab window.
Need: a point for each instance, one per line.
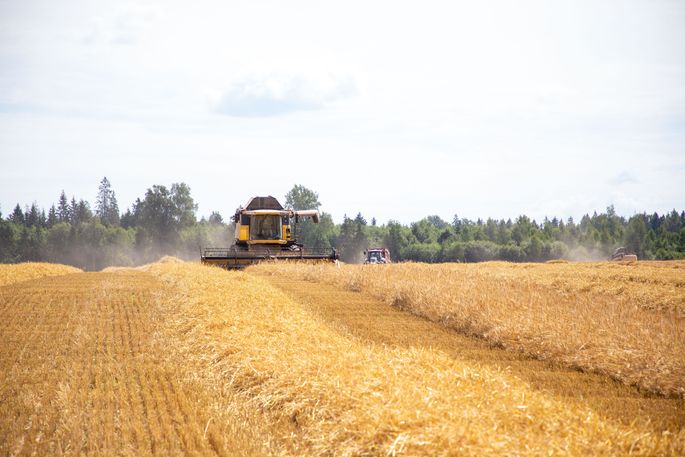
(266, 227)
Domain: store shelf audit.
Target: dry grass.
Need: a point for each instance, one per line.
(11, 273)
(625, 321)
(327, 392)
(177, 358)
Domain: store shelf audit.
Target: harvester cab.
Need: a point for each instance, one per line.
(264, 230)
(377, 255)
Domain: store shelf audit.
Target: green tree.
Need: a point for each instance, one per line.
(9, 237)
(533, 248)
(162, 214)
(422, 252)
(33, 217)
(63, 211)
(80, 212)
(17, 216)
(437, 222)
(425, 231)
(31, 244)
(635, 238)
(129, 219)
(59, 243)
(512, 253)
(106, 206)
(353, 239)
(324, 234)
(184, 205)
(480, 251)
(522, 230)
(361, 240)
(215, 218)
(397, 239)
(52, 216)
(300, 198)
(452, 251)
(306, 231)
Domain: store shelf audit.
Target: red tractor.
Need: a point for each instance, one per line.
(377, 255)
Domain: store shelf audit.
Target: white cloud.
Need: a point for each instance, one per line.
(275, 94)
(480, 108)
(623, 177)
(126, 26)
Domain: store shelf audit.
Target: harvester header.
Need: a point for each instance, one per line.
(264, 230)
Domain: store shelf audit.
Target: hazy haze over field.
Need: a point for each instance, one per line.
(477, 108)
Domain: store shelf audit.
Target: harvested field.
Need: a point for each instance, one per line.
(372, 320)
(82, 372)
(176, 358)
(626, 321)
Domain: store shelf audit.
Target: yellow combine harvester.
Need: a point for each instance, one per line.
(264, 231)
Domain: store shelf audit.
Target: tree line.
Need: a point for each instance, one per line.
(164, 222)
(432, 239)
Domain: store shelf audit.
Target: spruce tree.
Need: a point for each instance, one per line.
(63, 211)
(106, 207)
(33, 216)
(73, 211)
(52, 216)
(17, 216)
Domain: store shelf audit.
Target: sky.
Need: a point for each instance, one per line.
(397, 110)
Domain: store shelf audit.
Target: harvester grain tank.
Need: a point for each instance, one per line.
(264, 230)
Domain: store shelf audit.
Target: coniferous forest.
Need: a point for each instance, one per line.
(164, 222)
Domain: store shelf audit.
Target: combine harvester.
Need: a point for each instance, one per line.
(264, 231)
(621, 254)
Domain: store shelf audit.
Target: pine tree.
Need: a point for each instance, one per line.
(17, 216)
(52, 216)
(82, 212)
(63, 212)
(73, 211)
(33, 216)
(106, 207)
(128, 219)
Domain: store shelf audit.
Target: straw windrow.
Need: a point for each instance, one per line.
(625, 321)
(337, 395)
(13, 273)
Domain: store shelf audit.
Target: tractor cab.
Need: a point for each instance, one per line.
(377, 255)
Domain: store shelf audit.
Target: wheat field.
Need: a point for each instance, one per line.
(31, 270)
(180, 359)
(626, 321)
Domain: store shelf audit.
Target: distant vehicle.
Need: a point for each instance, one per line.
(377, 255)
(622, 254)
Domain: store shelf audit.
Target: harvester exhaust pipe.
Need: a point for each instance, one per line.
(314, 214)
